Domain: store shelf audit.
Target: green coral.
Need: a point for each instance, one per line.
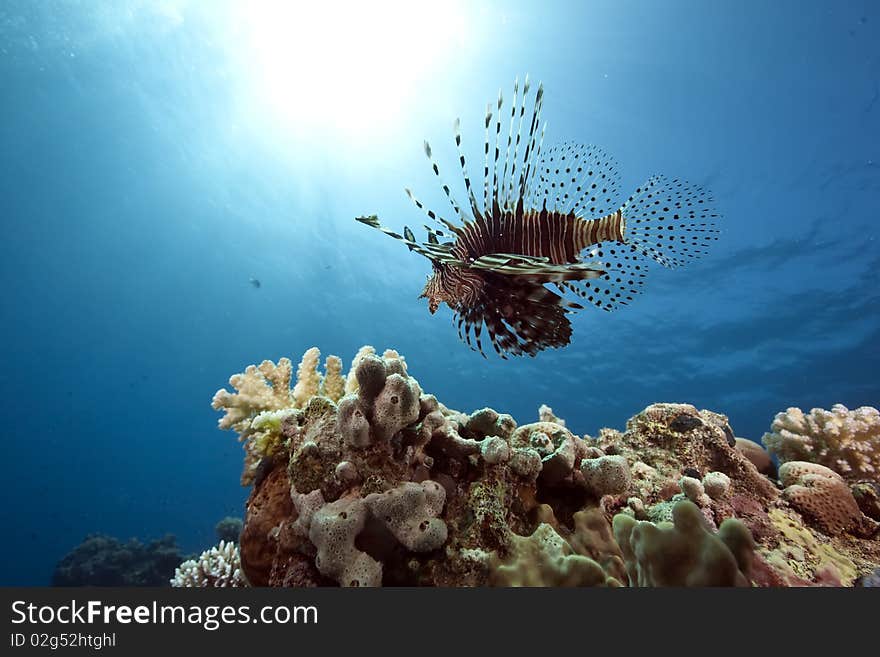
(685, 552)
(546, 559)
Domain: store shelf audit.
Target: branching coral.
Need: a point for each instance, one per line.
(846, 441)
(218, 567)
(263, 388)
(333, 385)
(308, 379)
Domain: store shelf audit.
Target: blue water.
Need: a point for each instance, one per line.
(148, 169)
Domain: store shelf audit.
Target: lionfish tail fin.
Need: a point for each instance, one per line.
(670, 221)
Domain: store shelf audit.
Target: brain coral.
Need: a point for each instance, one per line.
(822, 495)
(846, 441)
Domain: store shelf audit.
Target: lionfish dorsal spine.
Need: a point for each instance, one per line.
(488, 122)
(509, 194)
(436, 169)
(504, 192)
(496, 183)
(433, 216)
(525, 174)
(475, 208)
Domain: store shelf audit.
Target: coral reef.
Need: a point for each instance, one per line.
(218, 567)
(229, 529)
(362, 479)
(106, 561)
(847, 442)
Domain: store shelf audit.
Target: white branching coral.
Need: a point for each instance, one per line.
(846, 441)
(218, 567)
(308, 380)
(263, 388)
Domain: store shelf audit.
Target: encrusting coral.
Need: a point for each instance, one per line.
(363, 480)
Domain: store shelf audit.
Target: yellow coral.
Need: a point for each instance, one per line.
(334, 383)
(263, 388)
(266, 438)
(308, 380)
(802, 553)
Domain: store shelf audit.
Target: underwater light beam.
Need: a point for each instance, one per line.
(348, 68)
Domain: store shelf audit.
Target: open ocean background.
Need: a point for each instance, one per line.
(154, 156)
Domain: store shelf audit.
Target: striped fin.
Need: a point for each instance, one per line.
(475, 209)
(522, 111)
(436, 169)
(408, 235)
(670, 220)
(530, 143)
(504, 191)
(488, 121)
(493, 211)
(436, 252)
(536, 269)
(433, 215)
(583, 180)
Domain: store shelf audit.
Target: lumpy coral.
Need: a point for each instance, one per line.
(685, 552)
(363, 479)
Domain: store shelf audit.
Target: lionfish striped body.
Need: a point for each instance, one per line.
(548, 217)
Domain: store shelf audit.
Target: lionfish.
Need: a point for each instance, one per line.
(548, 218)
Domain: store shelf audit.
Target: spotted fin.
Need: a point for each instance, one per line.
(579, 179)
(623, 277)
(670, 221)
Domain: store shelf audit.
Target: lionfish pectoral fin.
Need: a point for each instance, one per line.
(371, 220)
(536, 269)
(435, 252)
(408, 234)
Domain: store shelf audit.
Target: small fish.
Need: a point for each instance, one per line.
(549, 217)
(255, 282)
